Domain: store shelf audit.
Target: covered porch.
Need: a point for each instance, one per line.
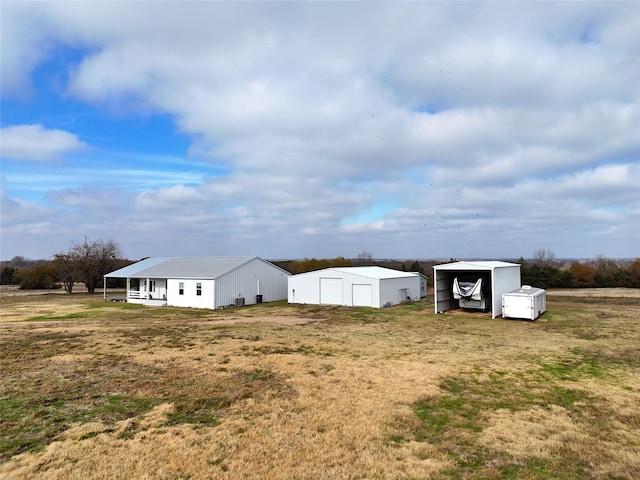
(147, 290)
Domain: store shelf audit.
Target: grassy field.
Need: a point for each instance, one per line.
(100, 390)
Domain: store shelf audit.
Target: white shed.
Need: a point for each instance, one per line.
(354, 286)
(203, 282)
(525, 302)
(490, 278)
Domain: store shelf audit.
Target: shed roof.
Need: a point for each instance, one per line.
(475, 265)
(181, 267)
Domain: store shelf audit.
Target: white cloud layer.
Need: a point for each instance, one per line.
(493, 129)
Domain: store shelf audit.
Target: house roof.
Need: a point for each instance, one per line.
(134, 268)
(181, 267)
(475, 265)
(370, 272)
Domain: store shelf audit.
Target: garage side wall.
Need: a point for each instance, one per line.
(505, 279)
(304, 288)
(390, 290)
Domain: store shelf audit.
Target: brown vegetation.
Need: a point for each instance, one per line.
(96, 390)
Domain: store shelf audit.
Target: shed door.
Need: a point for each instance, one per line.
(331, 291)
(362, 295)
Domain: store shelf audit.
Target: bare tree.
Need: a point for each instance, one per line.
(544, 257)
(365, 258)
(92, 260)
(65, 269)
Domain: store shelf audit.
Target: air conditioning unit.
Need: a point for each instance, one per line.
(239, 302)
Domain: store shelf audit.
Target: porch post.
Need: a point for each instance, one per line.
(104, 287)
(128, 288)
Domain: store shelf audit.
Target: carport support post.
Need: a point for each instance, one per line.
(104, 288)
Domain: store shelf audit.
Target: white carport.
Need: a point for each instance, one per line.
(354, 286)
(501, 277)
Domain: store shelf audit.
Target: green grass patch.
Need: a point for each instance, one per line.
(452, 421)
(67, 316)
(33, 421)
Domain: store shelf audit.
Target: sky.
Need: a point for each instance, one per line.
(321, 129)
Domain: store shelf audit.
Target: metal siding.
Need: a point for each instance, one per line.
(442, 291)
(243, 282)
(504, 279)
(303, 289)
(424, 285)
(390, 289)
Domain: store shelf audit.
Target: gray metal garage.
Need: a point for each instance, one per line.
(355, 286)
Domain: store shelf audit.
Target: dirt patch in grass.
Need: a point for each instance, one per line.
(609, 296)
(307, 392)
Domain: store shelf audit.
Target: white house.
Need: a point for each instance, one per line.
(355, 286)
(203, 282)
(486, 281)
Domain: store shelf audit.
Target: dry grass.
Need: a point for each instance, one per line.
(94, 390)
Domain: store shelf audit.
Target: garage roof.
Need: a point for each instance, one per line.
(371, 272)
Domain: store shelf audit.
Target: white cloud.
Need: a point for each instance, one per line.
(514, 124)
(36, 143)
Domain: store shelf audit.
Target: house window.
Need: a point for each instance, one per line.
(198, 289)
(181, 288)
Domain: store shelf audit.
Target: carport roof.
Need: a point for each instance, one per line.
(475, 265)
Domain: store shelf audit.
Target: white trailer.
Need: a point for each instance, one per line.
(525, 302)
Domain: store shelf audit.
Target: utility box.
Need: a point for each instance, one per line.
(525, 302)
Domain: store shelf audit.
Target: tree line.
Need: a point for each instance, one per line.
(599, 273)
(85, 262)
(88, 261)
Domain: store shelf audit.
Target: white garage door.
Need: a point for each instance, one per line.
(362, 295)
(331, 291)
